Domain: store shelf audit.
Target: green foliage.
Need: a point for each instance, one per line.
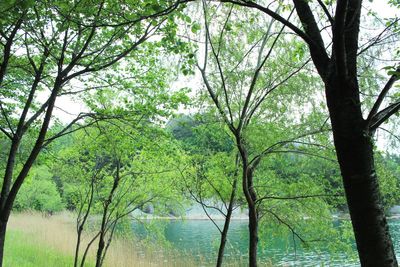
(39, 192)
(95, 154)
(388, 171)
(201, 134)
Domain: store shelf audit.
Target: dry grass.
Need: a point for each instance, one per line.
(58, 233)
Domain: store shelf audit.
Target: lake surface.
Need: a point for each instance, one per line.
(200, 239)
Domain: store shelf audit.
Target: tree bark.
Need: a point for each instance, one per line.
(253, 235)
(253, 219)
(251, 198)
(3, 229)
(351, 134)
(77, 246)
(228, 217)
(354, 149)
(100, 249)
(222, 243)
(105, 217)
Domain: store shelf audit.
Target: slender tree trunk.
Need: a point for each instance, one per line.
(251, 198)
(81, 224)
(253, 219)
(7, 179)
(225, 230)
(253, 236)
(100, 249)
(4, 216)
(9, 193)
(354, 148)
(3, 229)
(101, 245)
(77, 246)
(85, 253)
(104, 221)
(222, 243)
(110, 237)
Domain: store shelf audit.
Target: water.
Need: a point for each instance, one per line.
(200, 240)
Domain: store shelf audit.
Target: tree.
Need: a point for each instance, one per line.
(114, 173)
(50, 47)
(337, 65)
(245, 82)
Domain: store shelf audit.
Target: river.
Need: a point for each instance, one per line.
(200, 238)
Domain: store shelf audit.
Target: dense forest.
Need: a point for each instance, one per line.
(281, 116)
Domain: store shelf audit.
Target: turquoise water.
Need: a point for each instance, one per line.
(200, 239)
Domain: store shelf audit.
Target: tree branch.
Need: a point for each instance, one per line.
(339, 50)
(317, 47)
(383, 115)
(297, 197)
(382, 95)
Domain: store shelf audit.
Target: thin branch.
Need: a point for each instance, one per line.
(377, 39)
(262, 97)
(274, 15)
(297, 197)
(280, 144)
(389, 132)
(382, 95)
(326, 11)
(4, 113)
(383, 115)
(68, 129)
(220, 71)
(287, 225)
(6, 133)
(116, 58)
(304, 153)
(256, 75)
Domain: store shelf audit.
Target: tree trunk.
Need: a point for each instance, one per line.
(77, 246)
(228, 217)
(251, 198)
(253, 236)
(100, 249)
(354, 149)
(101, 245)
(253, 215)
(3, 229)
(368, 219)
(222, 243)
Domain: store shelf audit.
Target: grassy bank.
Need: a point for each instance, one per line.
(34, 240)
(22, 251)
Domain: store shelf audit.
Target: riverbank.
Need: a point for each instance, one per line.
(34, 240)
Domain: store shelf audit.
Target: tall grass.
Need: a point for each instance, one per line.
(35, 240)
(22, 251)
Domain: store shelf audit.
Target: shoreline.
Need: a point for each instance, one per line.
(345, 216)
